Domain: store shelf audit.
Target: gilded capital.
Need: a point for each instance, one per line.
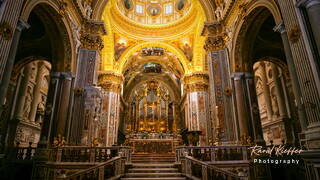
(216, 36)
(110, 81)
(196, 82)
(91, 35)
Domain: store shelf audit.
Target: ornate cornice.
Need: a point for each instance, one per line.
(91, 34)
(216, 36)
(196, 82)
(110, 81)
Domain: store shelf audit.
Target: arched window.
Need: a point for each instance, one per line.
(139, 9)
(168, 9)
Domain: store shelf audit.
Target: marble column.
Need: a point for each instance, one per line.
(266, 90)
(313, 10)
(57, 108)
(9, 19)
(279, 91)
(294, 77)
(111, 90)
(246, 106)
(197, 97)
(36, 91)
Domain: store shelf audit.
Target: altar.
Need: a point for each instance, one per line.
(153, 143)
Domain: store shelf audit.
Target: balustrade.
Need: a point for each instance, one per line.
(23, 153)
(113, 168)
(88, 154)
(198, 170)
(214, 153)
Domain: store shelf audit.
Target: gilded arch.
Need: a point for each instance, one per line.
(125, 56)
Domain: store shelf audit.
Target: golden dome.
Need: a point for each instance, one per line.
(154, 12)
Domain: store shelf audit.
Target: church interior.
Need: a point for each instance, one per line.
(159, 89)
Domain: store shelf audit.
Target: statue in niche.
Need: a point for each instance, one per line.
(127, 4)
(275, 107)
(181, 4)
(40, 109)
(27, 103)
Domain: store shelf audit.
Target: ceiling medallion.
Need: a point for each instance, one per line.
(154, 10)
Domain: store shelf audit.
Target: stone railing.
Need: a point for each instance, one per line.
(62, 162)
(88, 154)
(22, 153)
(199, 170)
(214, 153)
(114, 168)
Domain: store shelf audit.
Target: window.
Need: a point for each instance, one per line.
(168, 9)
(139, 9)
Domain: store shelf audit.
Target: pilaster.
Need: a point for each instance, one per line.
(220, 91)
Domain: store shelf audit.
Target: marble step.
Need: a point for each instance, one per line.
(153, 170)
(152, 161)
(152, 165)
(142, 175)
(153, 157)
(161, 178)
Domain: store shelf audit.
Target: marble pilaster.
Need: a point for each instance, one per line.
(294, 76)
(313, 10)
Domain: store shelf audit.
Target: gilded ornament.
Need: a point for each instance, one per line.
(62, 7)
(6, 31)
(216, 36)
(78, 91)
(228, 91)
(91, 35)
(110, 81)
(294, 34)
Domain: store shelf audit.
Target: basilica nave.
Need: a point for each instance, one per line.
(159, 89)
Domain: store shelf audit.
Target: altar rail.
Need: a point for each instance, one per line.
(214, 153)
(87, 154)
(198, 170)
(111, 169)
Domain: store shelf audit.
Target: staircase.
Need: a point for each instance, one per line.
(153, 167)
